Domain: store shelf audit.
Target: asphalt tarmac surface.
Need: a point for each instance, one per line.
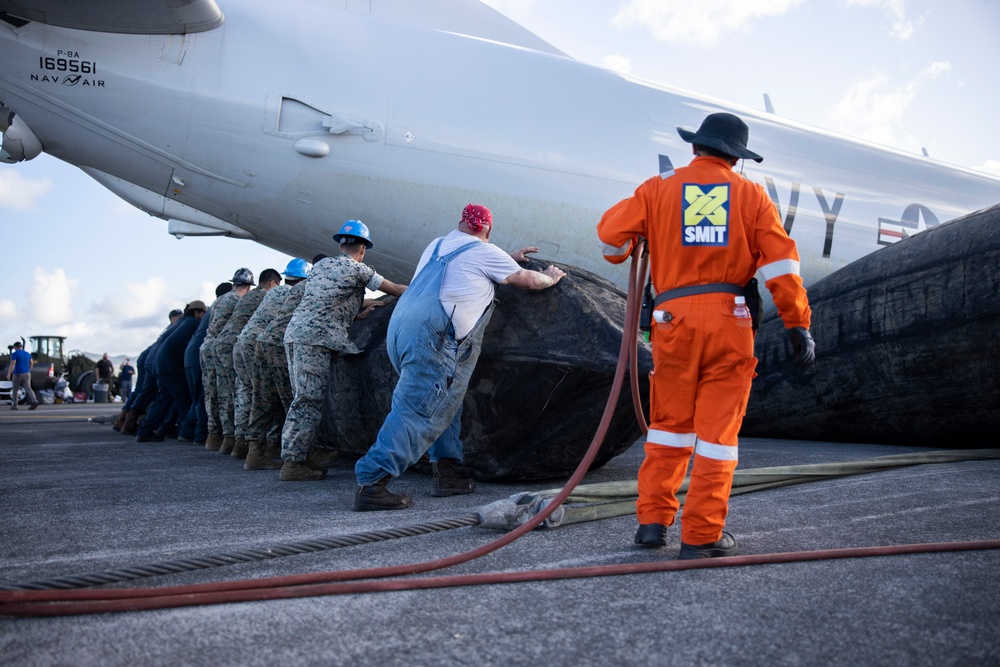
(76, 497)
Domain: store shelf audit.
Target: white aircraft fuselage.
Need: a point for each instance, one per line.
(280, 122)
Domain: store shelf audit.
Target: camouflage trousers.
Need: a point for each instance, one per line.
(225, 383)
(310, 381)
(208, 381)
(272, 393)
(243, 359)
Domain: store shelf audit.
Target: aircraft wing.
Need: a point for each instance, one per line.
(141, 17)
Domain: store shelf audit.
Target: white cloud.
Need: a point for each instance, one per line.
(21, 193)
(617, 63)
(75, 332)
(874, 108)
(51, 297)
(8, 310)
(903, 27)
(990, 167)
(701, 22)
(134, 300)
(207, 292)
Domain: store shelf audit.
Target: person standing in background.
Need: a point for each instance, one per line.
(19, 372)
(126, 373)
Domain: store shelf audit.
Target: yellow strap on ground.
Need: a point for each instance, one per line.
(590, 502)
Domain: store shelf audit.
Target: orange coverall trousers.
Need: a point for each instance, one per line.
(703, 365)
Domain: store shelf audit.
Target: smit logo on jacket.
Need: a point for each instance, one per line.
(706, 214)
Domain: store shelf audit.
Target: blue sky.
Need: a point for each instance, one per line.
(909, 74)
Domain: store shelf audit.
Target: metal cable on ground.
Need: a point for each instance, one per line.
(12, 601)
(66, 608)
(244, 556)
(588, 502)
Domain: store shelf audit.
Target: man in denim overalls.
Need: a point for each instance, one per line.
(433, 341)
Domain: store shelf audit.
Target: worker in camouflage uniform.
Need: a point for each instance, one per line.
(222, 309)
(244, 357)
(225, 367)
(318, 330)
(243, 387)
(272, 383)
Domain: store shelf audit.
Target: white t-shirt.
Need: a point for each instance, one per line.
(470, 279)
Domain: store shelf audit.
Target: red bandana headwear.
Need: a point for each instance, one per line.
(476, 217)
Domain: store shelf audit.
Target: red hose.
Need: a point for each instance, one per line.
(636, 288)
(163, 601)
(11, 602)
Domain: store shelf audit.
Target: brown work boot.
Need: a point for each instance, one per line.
(298, 471)
(228, 442)
(448, 479)
(257, 459)
(213, 442)
(120, 421)
(240, 449)
(377, 496)
(321, 459)
(272, 449)
(131, 423)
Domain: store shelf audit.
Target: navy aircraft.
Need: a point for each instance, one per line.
(218, 119)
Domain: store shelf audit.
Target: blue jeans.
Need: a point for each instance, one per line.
(426, 413)
(434, 372)
(195, 424)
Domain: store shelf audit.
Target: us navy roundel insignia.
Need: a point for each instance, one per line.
(705, 210)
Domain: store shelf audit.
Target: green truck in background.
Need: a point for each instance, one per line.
(51, 364)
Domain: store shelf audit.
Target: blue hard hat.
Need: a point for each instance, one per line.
(297, 268)
(354, 230)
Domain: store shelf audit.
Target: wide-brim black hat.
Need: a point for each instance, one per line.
(725, 133)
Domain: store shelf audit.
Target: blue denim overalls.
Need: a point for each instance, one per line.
(434, 371)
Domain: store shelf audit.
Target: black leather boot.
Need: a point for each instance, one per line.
(725, 546)
(651, 535)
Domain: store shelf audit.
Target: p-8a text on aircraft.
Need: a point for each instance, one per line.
(226, 121)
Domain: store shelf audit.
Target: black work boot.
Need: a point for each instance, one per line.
(298, 471)
(726, 546)
(377, 496)
(448, 480)
(651, 535)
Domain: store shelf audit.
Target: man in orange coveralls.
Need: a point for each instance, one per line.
(709, 231)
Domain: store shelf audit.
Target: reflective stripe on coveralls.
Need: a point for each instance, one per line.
(622, 251)
(434, 371)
